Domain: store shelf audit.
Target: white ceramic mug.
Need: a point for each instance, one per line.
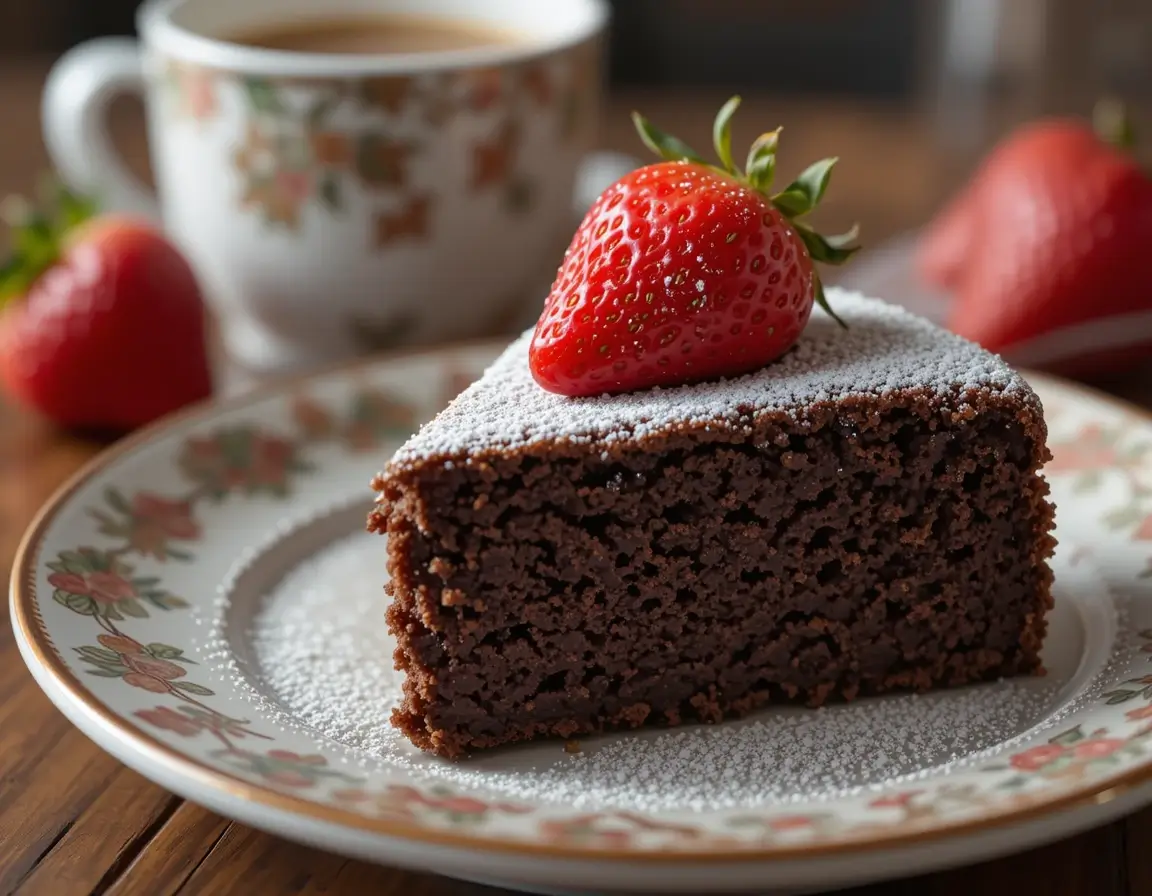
(333, 203)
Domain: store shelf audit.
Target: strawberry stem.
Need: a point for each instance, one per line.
(795, 201)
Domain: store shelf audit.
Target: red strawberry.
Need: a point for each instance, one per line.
(682, 271)
(102, 323)
(946, 242)
(1047, 252)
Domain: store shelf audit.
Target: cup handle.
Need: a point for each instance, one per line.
(74, 109)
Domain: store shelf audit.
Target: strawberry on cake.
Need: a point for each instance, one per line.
(680, 499)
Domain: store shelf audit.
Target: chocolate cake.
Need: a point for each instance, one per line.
(862, 516)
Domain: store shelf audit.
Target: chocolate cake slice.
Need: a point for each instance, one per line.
(862, 516)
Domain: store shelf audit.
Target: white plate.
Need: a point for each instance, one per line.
(178, 601)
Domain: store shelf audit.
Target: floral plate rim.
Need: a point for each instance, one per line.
(42, 657)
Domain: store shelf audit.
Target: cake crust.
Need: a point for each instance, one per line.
(823, 529)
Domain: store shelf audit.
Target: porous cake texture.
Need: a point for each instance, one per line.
(864, 515)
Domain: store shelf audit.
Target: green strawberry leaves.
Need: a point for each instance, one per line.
(761, 163)
(844, 240)
(722, 134)
(37, 235)
(1113, 124)
(669, 148)
(72, 208)
(805, 193)
(827, 249)
(822, 301)
(35, 247)
(795, 201)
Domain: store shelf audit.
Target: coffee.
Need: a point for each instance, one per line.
(380, 34)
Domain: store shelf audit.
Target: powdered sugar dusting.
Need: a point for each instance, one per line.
(884, 350)
(323, 655)
(323, 647)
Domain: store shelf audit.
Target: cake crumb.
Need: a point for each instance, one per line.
(453, 597)
(441, 568)
(324, 661)
(571, 745)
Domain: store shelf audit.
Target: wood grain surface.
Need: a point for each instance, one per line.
(75, 821)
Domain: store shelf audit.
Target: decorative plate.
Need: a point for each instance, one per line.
(201, 601)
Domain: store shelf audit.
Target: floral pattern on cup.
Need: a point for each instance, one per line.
(193, 89)
(300, 155)
(410, 221)
(294, 156)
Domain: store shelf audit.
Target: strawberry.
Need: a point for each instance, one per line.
(682, 271)
(101, 320)
(940, 256)
(1047, 250)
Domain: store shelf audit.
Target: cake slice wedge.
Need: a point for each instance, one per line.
(862, 516)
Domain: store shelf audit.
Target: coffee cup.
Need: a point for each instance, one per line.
(347, 175)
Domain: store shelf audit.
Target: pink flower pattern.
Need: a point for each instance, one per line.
(170, 720)
(103, 587)
(1037, 757)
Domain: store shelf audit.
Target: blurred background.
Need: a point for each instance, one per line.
(939, 78)
(1039, 50)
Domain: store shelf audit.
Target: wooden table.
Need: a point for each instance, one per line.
(75, 821)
